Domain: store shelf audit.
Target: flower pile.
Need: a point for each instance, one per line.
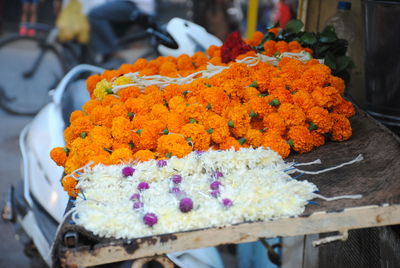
(173, 106)
(116, 205)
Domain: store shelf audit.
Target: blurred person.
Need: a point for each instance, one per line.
(104, 18)
(282, 13)
(29, 13)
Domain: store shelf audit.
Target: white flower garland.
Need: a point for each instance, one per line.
(255, 180)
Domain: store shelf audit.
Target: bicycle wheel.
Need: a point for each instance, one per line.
(29, 69)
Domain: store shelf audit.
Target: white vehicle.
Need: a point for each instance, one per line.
(38, 202)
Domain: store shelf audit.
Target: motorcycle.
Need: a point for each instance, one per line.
(38, 202)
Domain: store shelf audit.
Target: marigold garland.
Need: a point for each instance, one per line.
(295, 106)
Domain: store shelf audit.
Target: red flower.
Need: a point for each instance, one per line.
(233, 47)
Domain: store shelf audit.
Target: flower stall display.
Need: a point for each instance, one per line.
(197, 141)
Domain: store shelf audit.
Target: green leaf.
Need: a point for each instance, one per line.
(343, 62)
(312, 126)
(294, 26)
(168, 155)
(139, 131)
(274, 102)
(107, 150)
(328, 35)
(254, 84)
(252, 114)
(210, 131)
(330, 61)
(66, 150)
(83, 135)
(131, 145)
(242, 141)
(184, 93)
(290, 142)
(192, 121)
(309, 38)
(130, 114)
(230, 123)
(109, 91)
(208, 107)
(263, 95)
(165, 131)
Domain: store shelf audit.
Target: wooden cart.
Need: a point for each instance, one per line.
(376, 178)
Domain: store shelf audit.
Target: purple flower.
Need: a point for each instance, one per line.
(137, 205)
(227, 202)
(143, 186)
(215, 185)
(161, 163)
(175, 190)
(215, 193)
(135, 197)
(128, 171)
(150, 219)
(186, 204)
(199, 152)
(217, 174)
(176, 179)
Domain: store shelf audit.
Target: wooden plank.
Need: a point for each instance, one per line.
(319, 222)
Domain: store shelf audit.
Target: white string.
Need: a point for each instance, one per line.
(355, 160)
(354, 196)
(318, 161)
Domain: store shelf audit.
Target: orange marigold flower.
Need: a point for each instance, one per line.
(139, 120)
(294, 45)
(128, 92)
(321, 118)
(317, 139)
(59, 155)
(195, 111)
(326, 97)
(149, 136)
(76, 114)
(214, 51)
(345, 108)
(217, 126)
(137, 106)
(269, 48)
(175, 122)
(169, 69)
(301, 138)
(121, 156)
(303, 100)
(101, 136)
(337, 83)
(341, 129)
(282, 46)
(291, 114)
(91, 83)
(216, 97)
(275, 122)
(110, 100)
(174, 144)
(118, 110)
(177, 104)
(69, 185)
(196, 134)
(171, 91)
(184, 62)
(109, 75)
(90, 105)
(276, 143)
(121, 129)
(275, 31)
(101, 115)
(254, 137)
(240, 119)
(82, 124)
(200, 59)
(255, 39)
(144, 155)
(230, 143)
